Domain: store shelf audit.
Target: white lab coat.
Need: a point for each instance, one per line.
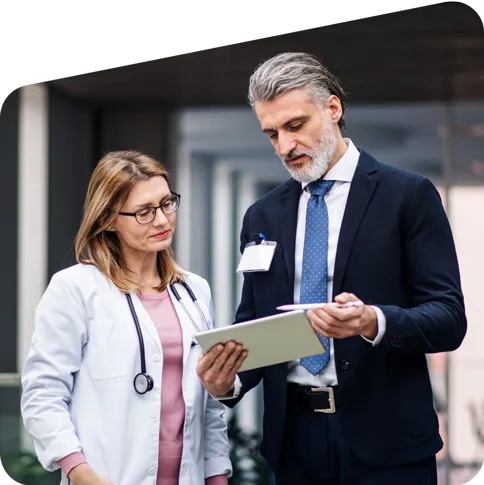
(78, 390)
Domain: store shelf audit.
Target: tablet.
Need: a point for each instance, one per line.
(269, 340)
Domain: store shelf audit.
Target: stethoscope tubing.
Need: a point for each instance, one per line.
(195, 301)
(143, 378)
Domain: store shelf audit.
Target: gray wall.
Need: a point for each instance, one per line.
(72, 155)
(9, 118)
(149, 130)
(200, 211)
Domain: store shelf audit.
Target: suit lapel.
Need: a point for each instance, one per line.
(288, 224)
(362, 187)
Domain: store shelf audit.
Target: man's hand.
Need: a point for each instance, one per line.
(217, 368)
(336, 322)
(83, 474)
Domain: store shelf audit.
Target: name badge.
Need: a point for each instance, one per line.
(257, 255)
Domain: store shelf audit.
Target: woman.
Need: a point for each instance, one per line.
(122, 312)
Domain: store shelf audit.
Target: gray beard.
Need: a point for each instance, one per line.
(321, 157)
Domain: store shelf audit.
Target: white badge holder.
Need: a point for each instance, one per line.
(257, 255)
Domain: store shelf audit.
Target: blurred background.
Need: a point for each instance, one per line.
(415, 84)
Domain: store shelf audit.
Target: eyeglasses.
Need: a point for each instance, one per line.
(148, 214)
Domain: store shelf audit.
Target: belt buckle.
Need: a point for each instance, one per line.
(332, 404)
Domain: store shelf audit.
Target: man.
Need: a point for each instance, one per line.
(349, 229)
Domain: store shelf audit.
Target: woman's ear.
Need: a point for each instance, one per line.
(106, 223)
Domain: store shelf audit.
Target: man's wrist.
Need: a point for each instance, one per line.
(229, 392)
(371, 329)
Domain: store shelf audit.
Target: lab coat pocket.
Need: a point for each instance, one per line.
(106, 350)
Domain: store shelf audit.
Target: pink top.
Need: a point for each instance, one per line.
(162, 312)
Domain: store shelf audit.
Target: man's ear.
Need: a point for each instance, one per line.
(335, 109)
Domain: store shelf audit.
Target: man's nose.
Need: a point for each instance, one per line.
(286, 144)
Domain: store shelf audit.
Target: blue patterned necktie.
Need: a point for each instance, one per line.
(314, 282)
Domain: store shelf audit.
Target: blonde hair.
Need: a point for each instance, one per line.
(113, 178)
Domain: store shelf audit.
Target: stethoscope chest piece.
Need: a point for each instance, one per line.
(143, 383)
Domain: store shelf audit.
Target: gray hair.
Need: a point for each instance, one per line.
(295, 70)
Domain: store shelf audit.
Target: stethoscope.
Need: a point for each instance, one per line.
(143, 382)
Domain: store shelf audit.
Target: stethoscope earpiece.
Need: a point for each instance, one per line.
(143, 382)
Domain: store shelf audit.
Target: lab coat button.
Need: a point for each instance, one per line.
(156, 358)
(151, 471)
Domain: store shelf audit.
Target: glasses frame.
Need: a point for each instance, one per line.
(135, 214)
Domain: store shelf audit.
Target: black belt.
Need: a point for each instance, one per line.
(316, 399)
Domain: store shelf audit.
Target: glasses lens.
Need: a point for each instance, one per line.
(171, 205)
(144, 216)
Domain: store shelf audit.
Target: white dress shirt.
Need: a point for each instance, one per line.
(335, 199)
(342, 172)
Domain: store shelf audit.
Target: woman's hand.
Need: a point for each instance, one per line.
(83, 474)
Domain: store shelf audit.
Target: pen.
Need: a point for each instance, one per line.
(312, 306)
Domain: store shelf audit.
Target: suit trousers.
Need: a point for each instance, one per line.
(315, 451)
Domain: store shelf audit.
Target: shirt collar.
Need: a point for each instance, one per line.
(345, 167)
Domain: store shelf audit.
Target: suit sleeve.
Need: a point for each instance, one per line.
(246, 311)
(435, 320)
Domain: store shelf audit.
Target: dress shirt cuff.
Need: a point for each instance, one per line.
(234, 393)
(71, 461)
(217, 480)
(382, 326)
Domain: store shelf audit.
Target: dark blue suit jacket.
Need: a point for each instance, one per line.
(396, 251)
